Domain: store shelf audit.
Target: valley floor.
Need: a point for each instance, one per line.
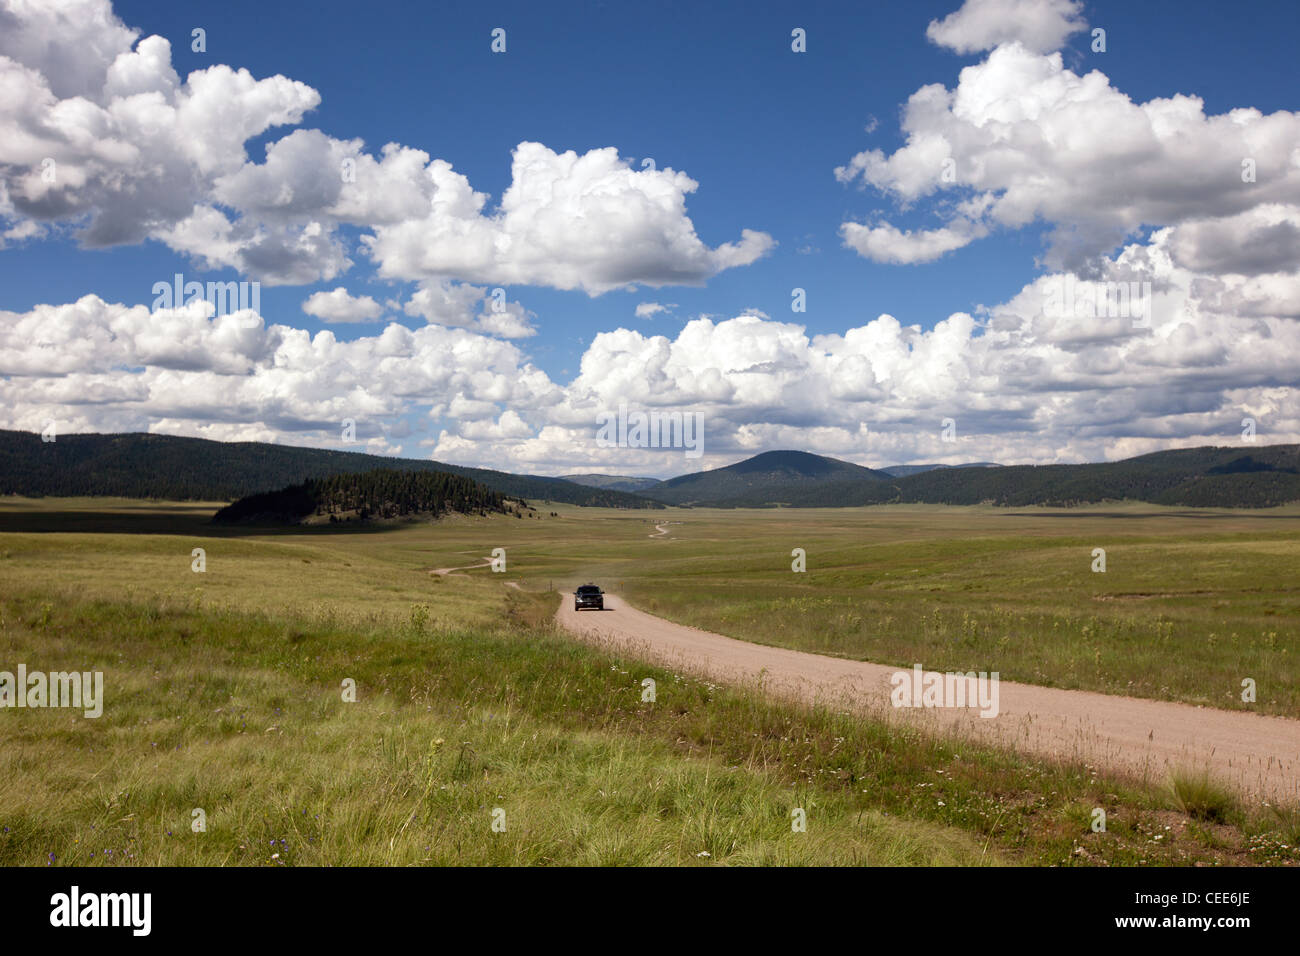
(480, 734)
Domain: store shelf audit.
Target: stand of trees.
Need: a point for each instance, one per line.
(382, 493)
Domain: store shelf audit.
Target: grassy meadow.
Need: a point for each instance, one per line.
(223, 687)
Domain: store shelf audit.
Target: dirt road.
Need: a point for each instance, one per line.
(1259, 755)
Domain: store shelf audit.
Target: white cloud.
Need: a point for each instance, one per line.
(1039, 25)
(1026, 384)
(461, 305)
(339, 306)
(1023, 381)
(73, 42)
(138, 153)
(588, 222)
(885, 243)
(511, 321)
(445, 303)
(1026, 140)
(648, 310)
(124, 368)
(1260, 240)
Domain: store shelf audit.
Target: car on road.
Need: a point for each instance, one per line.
(589, 596)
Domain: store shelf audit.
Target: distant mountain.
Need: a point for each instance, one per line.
(163, 466)
(613, 482)
(902, 471)
(1194, 477)
(139, 465)
(794, 478)
(1198, 477)
(384, 493)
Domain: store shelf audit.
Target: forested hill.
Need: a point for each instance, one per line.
(139, 465)
(383, 493)
(794, 478)
(1206, 477)
(164, 466)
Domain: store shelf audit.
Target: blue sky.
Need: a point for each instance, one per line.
(715, 93)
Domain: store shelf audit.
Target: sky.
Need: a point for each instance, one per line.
(472, 231)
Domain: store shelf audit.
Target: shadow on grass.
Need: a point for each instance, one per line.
(1134, 515)
(189, 524)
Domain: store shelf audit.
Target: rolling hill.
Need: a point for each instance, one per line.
(903, 471)
(162, 466)
(139, 465)
(1209, 476)
(775, 477)
(613, 482)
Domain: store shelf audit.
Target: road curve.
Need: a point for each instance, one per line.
(1258, 755)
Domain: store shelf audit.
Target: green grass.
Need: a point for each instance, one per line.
(1188, 606)
(1201, 797)
(241, 716)
(1191, 604)
(223, 694)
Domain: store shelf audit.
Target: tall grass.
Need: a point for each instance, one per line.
(240, 714)
(1201, 797)
(224, 687)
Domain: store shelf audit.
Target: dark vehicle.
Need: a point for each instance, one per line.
(589, 596)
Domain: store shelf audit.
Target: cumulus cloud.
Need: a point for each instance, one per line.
(461, 305)
(1260, 240)
(1024, 380)
(98, 130)
(138, 153)
(1038, 25)
(339, 306)
(1021, 139)
(119, 142)
(72, 43)
(96, 365)
(588, 222)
